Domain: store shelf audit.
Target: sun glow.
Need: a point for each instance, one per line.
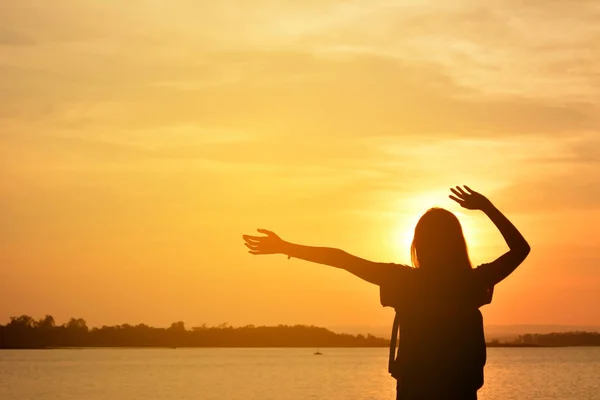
(411, 212)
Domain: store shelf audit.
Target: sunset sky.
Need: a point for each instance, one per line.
(140, 139)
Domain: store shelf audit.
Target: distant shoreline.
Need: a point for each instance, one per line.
(490, 345)
(25, 332)
(527, 345)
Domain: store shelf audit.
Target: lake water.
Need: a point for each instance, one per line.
(263, 374)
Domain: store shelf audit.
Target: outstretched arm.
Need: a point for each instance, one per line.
(272, 244)
(499, 269)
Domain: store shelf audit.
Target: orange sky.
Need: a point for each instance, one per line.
(139, 140)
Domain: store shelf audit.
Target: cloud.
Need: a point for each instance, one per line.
(12, 38)
(561, 176)
(575, 190)
(579, 151)
(503, 47)
(317, 68)
(291, 92)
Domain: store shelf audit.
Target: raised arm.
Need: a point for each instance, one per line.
(272, 244)
(499, 269)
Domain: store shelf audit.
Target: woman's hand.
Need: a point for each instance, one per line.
(270, 244)
(470, 199)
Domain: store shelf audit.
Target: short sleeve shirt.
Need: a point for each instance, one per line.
(441, 327)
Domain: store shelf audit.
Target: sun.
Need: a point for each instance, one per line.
(405, 231)
(410, 211)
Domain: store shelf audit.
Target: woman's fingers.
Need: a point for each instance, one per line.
(456, 199)
(252, 239)
(471, 191)
(456, 192)
(255, 253)
(266, 232)
(251, 246)
(462, 191)
(258, 238)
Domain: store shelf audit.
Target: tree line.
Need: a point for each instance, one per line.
(26, 332)
(576, 338)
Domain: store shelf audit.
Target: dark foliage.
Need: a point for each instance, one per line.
(25, 332)
(561, 339)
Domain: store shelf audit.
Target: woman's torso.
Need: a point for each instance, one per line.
(441, 342)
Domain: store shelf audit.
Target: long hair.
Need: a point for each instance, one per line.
(439, 243)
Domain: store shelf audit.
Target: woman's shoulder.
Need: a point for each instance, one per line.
(397, 275)
(400, 271)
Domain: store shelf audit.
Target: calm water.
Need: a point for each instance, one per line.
(263, 374)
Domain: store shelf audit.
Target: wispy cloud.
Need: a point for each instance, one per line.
(12, 38)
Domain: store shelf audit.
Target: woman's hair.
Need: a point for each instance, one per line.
(439, 243)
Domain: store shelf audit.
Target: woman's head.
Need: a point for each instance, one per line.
(439, 243)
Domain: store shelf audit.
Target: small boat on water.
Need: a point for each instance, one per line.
(318, 353)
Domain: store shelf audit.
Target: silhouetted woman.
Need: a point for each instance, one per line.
(441, 352)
